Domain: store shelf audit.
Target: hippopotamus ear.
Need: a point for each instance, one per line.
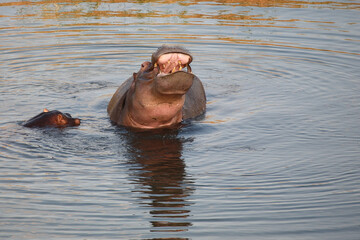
(60, 119)
(134, 81)
(46, 110)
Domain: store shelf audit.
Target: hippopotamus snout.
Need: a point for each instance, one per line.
(178, 83)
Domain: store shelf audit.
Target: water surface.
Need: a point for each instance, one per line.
(275, 157)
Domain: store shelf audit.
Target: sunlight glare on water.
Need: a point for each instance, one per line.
(274, 157)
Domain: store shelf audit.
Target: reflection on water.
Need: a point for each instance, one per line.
(184, 10)
(158, 171)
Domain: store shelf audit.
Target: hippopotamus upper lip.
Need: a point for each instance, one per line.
(170, 59)
(169, 49)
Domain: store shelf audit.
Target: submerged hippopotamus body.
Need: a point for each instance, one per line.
(161, 94)
(52, 119)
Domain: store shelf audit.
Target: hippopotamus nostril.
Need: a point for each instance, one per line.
(77, 121)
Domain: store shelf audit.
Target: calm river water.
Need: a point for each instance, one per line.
(275, 157)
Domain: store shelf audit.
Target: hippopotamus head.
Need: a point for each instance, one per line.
(169, 63)
(52, 119)
(155, 96)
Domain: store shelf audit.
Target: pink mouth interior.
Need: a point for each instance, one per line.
(172, 62)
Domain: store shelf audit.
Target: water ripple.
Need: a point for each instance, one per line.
(278, 145)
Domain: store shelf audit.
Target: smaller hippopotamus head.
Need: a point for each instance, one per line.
(52, 119)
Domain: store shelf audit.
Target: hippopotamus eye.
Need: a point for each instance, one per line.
(146, 67)
(68, 115)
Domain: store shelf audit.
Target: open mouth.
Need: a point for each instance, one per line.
(173, 62)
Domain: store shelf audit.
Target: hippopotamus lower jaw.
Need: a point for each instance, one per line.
(177, 83)
(73, 122)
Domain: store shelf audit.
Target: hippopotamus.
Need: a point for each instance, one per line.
(161, 94)
(52, 119)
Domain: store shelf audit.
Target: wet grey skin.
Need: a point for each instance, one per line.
(161, 94)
